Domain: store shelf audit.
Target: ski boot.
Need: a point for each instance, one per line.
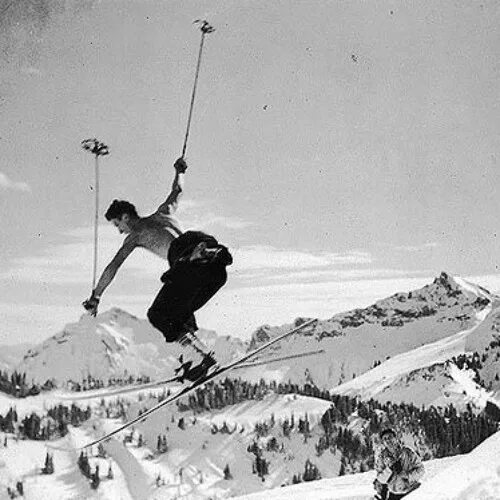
(183, 368)
(187, 371)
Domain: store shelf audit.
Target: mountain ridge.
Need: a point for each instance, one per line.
(117, 343)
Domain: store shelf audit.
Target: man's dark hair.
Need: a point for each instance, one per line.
(388, 432)
(118, 208)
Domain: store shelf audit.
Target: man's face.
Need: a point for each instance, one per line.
(122, 224)
(390, 442)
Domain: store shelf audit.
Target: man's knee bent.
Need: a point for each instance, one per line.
(170, 329)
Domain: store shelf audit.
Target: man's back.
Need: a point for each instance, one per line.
(155, 233)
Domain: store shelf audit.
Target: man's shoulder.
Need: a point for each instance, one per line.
(145, 225)
(158, 215)
(131, 239)
(141, 227)
(146, 222)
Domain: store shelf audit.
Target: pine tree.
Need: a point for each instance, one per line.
(48, 467)
(164, 445)
(311, 472)
(20, 488)
(342, 470)
(227, 473)
(101, 452)
(110, 473)
(95, 478)
(158, 480)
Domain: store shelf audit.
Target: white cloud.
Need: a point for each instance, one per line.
(416, 248)
(316, 275)
(31, 70)
(34, 322)
(200, 215)
(7, 183)
(257, 257)
(71, 262)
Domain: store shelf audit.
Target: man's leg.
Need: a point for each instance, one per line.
(187, 290)
(395, 496)
(381, 490)
(211, 279)
(171, 314)
(171, 311)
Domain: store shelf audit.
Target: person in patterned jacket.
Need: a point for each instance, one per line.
(399, 468)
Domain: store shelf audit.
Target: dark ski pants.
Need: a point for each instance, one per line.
(395, 496)
(186, 289)
(382, 493)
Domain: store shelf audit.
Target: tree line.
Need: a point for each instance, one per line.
(15, 384)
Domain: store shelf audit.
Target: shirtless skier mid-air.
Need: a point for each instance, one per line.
(197, 270)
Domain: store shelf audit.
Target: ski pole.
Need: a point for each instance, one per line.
(204, 28)
(98, 149)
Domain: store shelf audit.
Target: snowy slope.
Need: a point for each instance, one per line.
(440, 319)
(193, 466)
(195, 450)
(417, 331)
(473, 476)
(385, 380)
(464, 477)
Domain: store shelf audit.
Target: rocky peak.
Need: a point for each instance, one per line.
(446, 295)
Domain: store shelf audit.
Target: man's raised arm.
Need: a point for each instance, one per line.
(170, 205)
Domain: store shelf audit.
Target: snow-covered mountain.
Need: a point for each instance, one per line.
(409, 335)
(421, 375)
(114, 344)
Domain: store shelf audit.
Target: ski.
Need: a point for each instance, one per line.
(85, 395)
(191, 387)
(281, 358)
(121, 390)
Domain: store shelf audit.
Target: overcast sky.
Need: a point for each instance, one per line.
(343, 150)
